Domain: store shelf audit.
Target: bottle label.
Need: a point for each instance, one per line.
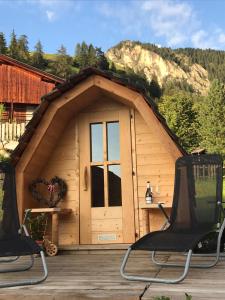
(148, 199)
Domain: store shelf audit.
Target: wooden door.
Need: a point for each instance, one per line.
(106, 191)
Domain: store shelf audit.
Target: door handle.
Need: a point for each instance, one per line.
(85, 179)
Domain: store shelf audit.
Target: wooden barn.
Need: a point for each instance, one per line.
(106, 139)
(21, 88)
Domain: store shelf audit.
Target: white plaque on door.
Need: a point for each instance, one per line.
(107, 237)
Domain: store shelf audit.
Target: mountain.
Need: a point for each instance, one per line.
(161, 64)
(146, 64)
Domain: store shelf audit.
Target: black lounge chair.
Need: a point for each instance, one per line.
(196, 212)
(14, 239)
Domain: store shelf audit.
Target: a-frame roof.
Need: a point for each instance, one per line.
(70, 84)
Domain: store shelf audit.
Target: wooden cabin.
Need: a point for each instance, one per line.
(21, 87)
(106, 139)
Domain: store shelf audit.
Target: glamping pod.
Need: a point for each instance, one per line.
(106, 140)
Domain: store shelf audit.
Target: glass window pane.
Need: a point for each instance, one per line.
(114, 183)
(97, 186)
(96, 142)
(113, 140)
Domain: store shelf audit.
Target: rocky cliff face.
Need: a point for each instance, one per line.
(143, 61)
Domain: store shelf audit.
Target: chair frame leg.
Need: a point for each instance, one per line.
(12, 259)
(18, 269)
(30, 281)
(153, 279)
(201, 266)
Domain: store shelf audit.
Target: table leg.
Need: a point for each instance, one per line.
(55, 228)
(146, 220)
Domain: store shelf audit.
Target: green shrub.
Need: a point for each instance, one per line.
(187, 297)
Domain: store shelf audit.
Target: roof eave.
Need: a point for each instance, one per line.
(72, 82)
(32, 69)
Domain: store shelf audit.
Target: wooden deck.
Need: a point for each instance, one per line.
(96, 276)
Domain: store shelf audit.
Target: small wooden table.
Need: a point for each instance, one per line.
(55, 212)
(146, 208)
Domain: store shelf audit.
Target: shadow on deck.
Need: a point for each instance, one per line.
(96, 276)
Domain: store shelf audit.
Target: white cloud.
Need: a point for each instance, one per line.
(214, 39)
(175, 21)
(168, 8)
(170, 19)
(54, 9)
(222, 38)
(200, 39)
(124, 13)
(50, 15)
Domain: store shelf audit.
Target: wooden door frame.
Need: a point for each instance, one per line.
(123, 116)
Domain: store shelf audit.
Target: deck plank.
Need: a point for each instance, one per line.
(96, 276)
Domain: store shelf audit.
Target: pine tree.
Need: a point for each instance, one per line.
(23, 49)
(102, 62)
(82, 56)
(154, 88)
(76, 58)
(13, 46)
(113, 67)
(91, 57)
(63, 63)
(3, 46)
(181, 117)
(212, 120)
(37, 59)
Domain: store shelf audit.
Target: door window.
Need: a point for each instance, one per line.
(96, 139)
(105, 164)
(113, 141)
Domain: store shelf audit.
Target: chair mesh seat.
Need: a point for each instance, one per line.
(12, 243)
(168, 241)
(195, 211)
(18, 246)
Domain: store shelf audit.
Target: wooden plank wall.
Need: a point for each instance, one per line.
(21, 86)
(156, 165)
(64, 163)
(153, 163)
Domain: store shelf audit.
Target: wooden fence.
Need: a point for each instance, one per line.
(11, 131)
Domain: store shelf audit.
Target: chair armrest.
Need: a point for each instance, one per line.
(160, 206)
(23, 228)
(27, 211)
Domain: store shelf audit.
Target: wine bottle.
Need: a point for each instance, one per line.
(148, 194)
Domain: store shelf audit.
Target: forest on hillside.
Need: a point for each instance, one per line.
(197, 120)
(61, 63)
(211, 60)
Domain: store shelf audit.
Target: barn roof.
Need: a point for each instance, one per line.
(44, 75)
(71, 83)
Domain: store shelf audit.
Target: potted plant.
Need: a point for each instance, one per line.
(36, 226)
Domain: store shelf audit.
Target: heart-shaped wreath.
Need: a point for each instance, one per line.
(48, 192)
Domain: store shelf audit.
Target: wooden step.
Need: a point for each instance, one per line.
(94, 249)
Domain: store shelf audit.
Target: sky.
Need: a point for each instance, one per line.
(104, 23)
